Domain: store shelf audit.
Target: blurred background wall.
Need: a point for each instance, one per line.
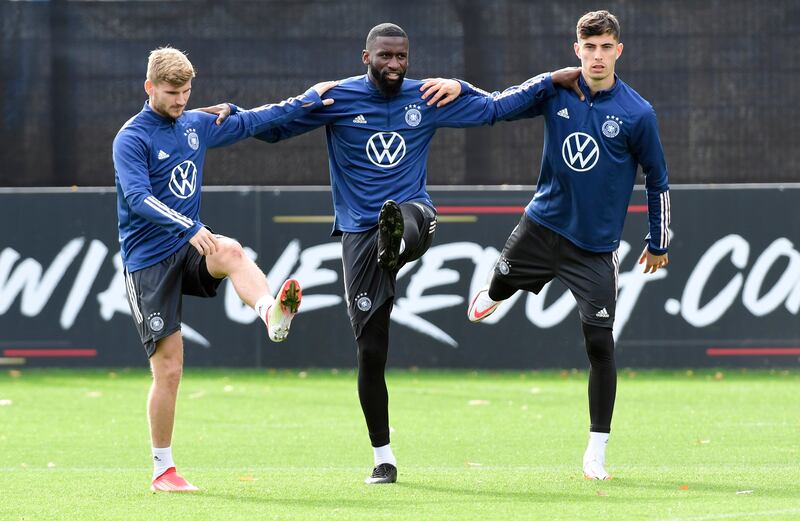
(722, 76)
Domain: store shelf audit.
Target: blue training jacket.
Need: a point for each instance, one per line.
(378, 146)
(592, 149)
(158, 164)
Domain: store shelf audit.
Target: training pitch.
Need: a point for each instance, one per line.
(701, 445)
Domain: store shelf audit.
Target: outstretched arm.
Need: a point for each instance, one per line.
(233, 124)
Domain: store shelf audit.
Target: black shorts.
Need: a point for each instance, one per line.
(534, 255)
(155, 293)
(367, 286)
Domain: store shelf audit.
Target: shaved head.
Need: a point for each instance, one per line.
(385, 29)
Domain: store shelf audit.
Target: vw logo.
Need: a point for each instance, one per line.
(386, 149)
(184, 180)
(580, 151)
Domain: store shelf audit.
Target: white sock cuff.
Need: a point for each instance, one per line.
(162, 460)
(384, 455)
(263, 304)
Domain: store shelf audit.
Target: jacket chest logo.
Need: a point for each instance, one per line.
(183, 181)
(580, 151)
(192, 138)
(386, 149)
(413, 115)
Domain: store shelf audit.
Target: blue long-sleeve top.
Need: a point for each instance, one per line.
(592, 150)
(378, 146)
(158, 164)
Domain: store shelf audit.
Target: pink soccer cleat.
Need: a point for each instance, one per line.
(171, 481)
(283, 310)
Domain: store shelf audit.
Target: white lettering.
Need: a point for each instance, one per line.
(27, 278)
(83, 283)
(782, 289)
(691, 311)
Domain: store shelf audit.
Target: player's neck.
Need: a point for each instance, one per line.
(596, 86)
(155, 110)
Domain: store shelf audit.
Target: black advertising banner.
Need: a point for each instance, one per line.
(729, 297)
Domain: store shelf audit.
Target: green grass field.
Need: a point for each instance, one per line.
(292, 445)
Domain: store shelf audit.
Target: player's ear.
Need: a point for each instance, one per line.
(577, 47)
(148, 87)
(365, 57)
(619, 49)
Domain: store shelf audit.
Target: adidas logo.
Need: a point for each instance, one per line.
(162, 155)
(564, 113)
(360, 119)
(602, 313)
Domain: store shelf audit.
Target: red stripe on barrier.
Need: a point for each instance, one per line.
(634, 208)
(753, 351)
(51, 353)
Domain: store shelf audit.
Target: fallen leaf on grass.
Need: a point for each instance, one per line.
(51, 465)
(602, 493)
(478, 402)
(744, 491)
(718, 376)
(302, 374)
(5, 403)
(474, 464)
(196, 395)
(227, 388)
(535, 390)
(94, 394)
(703, 442)
(684, 487)
(14, 373)
(247, 478)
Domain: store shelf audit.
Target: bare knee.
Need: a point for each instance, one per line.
(167, 362)
(229, 256)
(168, 372)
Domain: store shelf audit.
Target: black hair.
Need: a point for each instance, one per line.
(384, 29)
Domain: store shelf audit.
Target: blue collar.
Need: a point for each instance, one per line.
(600, 93)
(155, 116)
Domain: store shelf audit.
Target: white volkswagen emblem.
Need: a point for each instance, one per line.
(386, 149)
(580, 151)
(184, 180)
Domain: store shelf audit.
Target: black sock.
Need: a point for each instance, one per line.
(602, 376)
(373, 348)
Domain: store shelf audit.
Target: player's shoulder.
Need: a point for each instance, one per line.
(633, 102)
(352, 84)
(197, 117)
(412, 84)
(134, 131)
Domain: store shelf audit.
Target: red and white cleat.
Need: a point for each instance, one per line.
(171, 481)
(281, 313)
(481, 306)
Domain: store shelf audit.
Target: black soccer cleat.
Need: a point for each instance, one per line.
(383, 473)
(390, 233)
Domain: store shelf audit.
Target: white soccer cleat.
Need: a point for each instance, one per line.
(593, 469)
(481, 306)
(283, 310)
